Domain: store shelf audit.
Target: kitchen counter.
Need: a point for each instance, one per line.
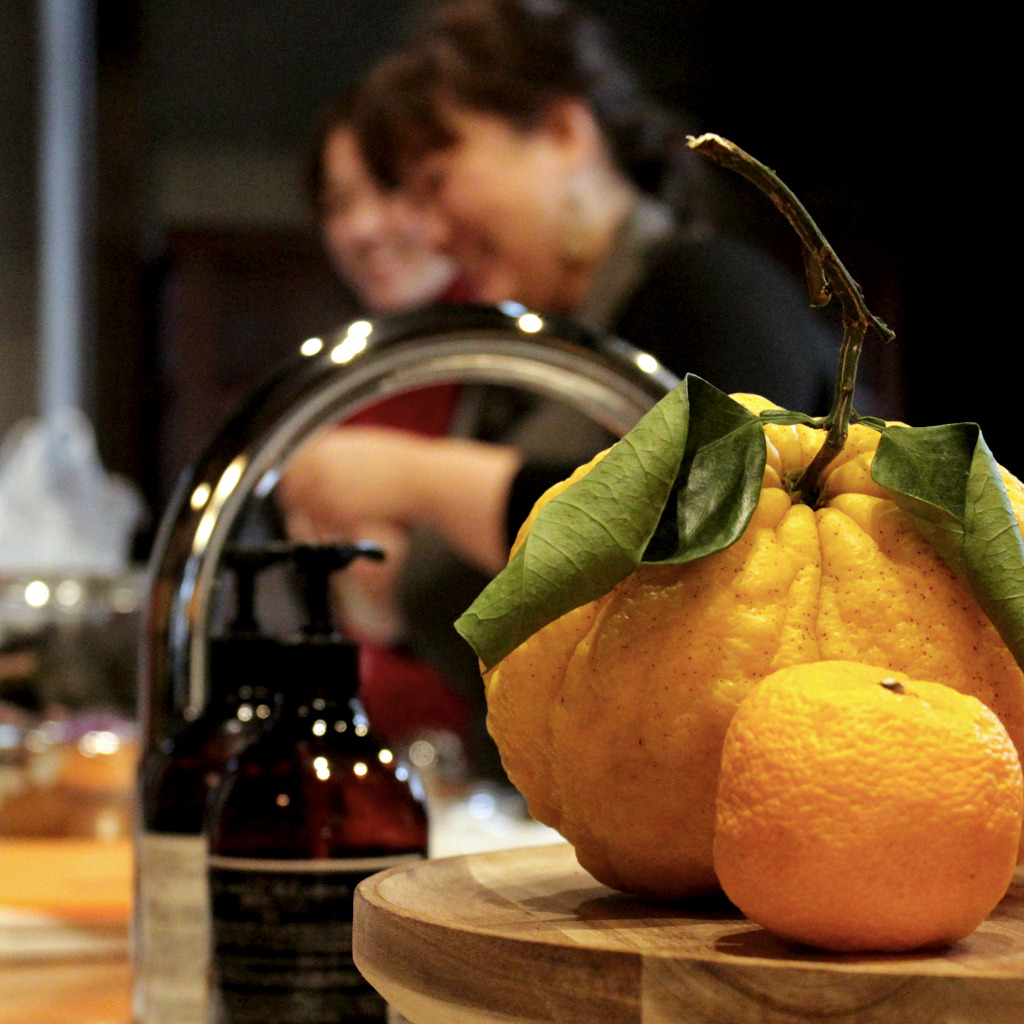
(64, 909)
(65, 906)
(66, 992)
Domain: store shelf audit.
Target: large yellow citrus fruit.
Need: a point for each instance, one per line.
(610, 720)
(858, 810)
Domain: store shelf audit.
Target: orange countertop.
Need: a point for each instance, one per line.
(64, 912)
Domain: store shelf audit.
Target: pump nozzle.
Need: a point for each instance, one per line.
(246, 564)
(314, 564)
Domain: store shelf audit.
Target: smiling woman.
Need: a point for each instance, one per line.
(553, 180)
(544, 172)
(526, 214)
(375, 239)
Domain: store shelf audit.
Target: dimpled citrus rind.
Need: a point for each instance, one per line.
(856, 816)
(650, 689)
(610, 719)
(537, 668)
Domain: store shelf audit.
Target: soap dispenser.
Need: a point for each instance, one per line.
(176, 776)
(310, 808)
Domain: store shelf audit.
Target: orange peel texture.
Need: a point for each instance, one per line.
(859, 810)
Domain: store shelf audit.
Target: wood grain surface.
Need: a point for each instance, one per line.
(527, 936)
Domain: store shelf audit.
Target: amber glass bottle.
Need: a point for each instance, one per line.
(303, 814)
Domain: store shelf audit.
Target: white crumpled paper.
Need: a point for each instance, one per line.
(60, 511)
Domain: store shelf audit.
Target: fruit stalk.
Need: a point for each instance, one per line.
(826, 277)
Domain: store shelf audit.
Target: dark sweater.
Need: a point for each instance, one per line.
(724, 311)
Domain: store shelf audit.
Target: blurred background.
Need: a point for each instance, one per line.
(201, 269)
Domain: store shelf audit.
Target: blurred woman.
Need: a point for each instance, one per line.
(553, 180)
(375, 239)
(544, 172)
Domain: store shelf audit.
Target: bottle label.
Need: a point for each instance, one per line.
(171, 931)
(282, 941)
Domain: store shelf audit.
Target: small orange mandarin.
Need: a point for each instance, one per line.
(859, 810)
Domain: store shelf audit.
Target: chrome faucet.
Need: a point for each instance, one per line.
(603, 378)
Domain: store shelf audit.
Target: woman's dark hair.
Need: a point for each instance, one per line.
(513, 58)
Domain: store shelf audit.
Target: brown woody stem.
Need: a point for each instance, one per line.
(826, 276)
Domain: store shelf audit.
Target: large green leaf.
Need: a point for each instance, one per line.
(718, 482)
(947, 480)
(681, 484)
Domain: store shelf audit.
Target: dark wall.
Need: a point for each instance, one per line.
(245, 72)
(17, 214)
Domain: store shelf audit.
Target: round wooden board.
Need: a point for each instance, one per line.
(527, 936)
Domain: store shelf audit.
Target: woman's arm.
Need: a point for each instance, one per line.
(348, 480)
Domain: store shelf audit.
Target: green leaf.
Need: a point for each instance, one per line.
(947, 480)
(927, 468)
(718, 483)
(870, 421)
(787, 417)
(681, 484)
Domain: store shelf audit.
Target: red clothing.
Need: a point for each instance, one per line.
(403, 697)
(427, 411)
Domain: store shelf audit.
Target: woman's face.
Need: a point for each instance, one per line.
(496, 199)
(375, 240)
